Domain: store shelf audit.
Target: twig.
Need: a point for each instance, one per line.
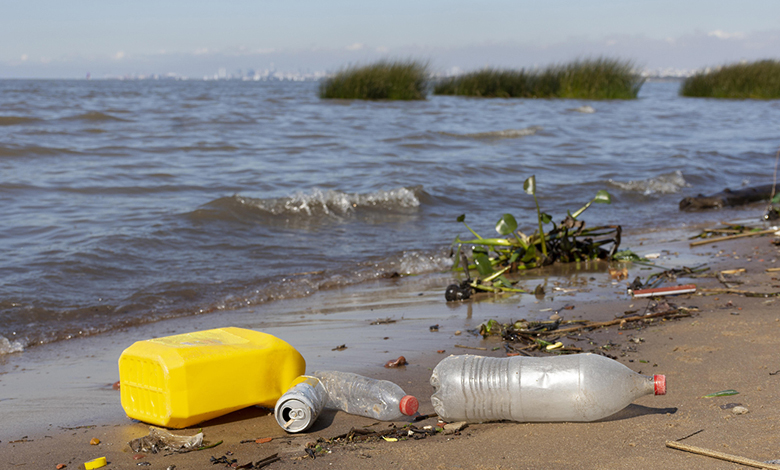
(772, 270)
(611, 322)
(470, 347)
(721, 455)
(746, 293)
(689, 435)
(732, 237)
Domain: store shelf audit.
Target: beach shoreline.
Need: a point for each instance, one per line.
(55, 398)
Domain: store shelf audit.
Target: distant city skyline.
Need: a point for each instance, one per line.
(50, 39)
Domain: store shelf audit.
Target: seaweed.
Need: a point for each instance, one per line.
(566, 242)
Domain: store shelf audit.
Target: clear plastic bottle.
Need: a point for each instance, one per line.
(364, 396)
(581, 387)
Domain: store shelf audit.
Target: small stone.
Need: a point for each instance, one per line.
(452, 428)
(457, 333)
(138, 456)
(94, 441)
(60, 466)
(739, 410)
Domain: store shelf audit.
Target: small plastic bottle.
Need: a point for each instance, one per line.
(364, 396)
(581, 387)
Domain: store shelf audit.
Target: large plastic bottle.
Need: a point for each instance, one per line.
(364, 396)
(582, 387)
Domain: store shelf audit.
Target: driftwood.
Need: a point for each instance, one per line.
(727, 198)
(720, 455)
(731, 237)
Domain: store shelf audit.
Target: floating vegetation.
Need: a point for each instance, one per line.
(493, 257)
(595, 79)
(756, 80)
(399, 80)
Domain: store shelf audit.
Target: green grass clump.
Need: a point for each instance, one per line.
(596, 79)
(757, 80)
(407, 80)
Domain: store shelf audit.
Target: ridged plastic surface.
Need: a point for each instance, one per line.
(178, 381)
(582, 387)
(364, 396)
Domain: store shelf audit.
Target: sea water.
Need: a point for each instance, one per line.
(128, 202)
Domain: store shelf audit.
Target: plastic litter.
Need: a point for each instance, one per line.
(95, 463)
(179, 381)
(364, 396)
(582, 387)
(300, 406)
(159, 439)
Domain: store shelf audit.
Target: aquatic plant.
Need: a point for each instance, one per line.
(384, 80)
(567, 242)
(596, 79)
(756, 80)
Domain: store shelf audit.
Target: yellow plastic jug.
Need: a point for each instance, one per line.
(178, 381)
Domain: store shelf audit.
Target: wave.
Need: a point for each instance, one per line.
(34, 150)
(8, 347)
(668, 183)
(584, 109)
(14, 120)
(315, 203)
(505, 134)
(95, 116)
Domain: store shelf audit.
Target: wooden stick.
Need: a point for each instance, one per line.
(772, 270)
(607, 323)
(470, 347)
(732, 237)
(721, 455)
(746, 293)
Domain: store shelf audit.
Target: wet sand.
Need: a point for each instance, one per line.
(55, 398)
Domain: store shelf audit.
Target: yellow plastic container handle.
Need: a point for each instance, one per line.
(97, 463)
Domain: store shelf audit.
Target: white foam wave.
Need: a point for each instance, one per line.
(505, 134)
(415, 262)
(668, 183)
(584, 109)
(7, 347)
(317, 201)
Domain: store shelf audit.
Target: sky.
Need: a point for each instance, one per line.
(195, 38)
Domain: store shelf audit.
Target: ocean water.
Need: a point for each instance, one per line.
(126, 202)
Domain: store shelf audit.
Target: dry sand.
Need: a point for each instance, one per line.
(55, 398)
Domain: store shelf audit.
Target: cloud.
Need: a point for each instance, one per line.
(355, 47)
(720, 34)
(119, 55)
(24, 57)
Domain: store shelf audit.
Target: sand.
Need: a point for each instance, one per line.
(55, 398)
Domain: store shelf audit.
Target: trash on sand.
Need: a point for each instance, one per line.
(94, 441)
(740, 410)
(364, 396)
(96, 463)
(583, 387)
(722, 393)
(298, 408)
(204, 374)
(340, 347)
(382, 321)
(60, 466)
(434, 328)
(659, 291)
(557, 345)
(394, 363)
(390, 439)
(160, 439)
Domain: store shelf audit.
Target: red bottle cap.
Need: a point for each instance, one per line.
(660, 384)
(409, 405)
